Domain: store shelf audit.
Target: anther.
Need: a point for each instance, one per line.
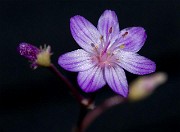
(93, 45)
(101, 38)
(108, 53)
(122, 46)
(110, 30)
(126, 33)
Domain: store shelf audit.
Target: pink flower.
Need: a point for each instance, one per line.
(106, 51)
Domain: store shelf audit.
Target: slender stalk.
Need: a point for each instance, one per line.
(74, 91)
(85, 104)
(92, 115)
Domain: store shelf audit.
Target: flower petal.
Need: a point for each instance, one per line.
(108, 26)
(131, 39)
(78, 60)
(116, 79)
(91, 80)
(135, 63)
(84, 32)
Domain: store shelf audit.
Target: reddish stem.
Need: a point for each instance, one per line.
(74, 91)
(92, 115)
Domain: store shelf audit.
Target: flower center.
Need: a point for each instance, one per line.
(103, 58)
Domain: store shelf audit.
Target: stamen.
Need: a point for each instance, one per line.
(101, 38)
(122, 46)
(95, 47)
(110, 30)
(108, 53)
(126, 33)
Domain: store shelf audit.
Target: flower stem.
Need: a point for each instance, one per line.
(85, 104)
(74, 91)
(89, 117)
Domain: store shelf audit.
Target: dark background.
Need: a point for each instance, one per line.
(36, 101)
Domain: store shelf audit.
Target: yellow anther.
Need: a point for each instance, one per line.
(122, 46)
(108, 53)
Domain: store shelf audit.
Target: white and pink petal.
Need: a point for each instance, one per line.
(135, 63)
(91, 80)
(116, 79)
(78, 60)
(84, 33)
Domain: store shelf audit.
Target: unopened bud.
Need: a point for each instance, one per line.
(145, 86)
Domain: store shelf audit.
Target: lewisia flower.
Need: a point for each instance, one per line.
(106, 51)
(38, 57)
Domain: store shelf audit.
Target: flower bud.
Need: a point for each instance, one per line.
(145, 86)
(37, 57)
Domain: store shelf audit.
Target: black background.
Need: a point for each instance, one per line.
(36, 101)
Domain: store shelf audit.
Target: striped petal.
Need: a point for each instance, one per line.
(131, 39)
(116, 79)
(78, 60)
(91, 80)
(84, 33)
(135, 63)
(108, 26)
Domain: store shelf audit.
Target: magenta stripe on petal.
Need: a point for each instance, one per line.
(108, 26)
(84, 32)
(91, 80)
(135, 63)
(116, 79)
(132, 39)
(78, 60)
